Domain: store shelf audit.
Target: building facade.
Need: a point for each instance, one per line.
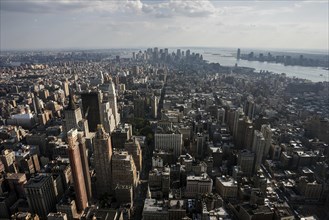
(76, 167)
(102, 161)
(40, 195)
(169, 142)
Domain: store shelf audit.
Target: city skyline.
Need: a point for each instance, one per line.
(131, 24)
(161, 135)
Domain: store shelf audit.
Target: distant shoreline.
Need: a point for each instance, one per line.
(274, 50)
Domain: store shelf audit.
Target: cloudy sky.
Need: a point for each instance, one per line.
(44, 24)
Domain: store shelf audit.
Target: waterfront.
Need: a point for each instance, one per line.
(226, 57)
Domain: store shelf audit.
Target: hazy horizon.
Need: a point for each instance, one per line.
(87, 25)
(135, 48)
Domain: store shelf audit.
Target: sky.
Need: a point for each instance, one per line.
(60, 24)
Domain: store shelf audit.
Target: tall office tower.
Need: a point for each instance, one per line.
(166, 52)
(275, 152)
(170, 143)
(258, 147)
(36, 103)
(102, 161)
(40, 194)
(237, 115)
(179, 54)
(188, 53)
(246, 162)
(244, 133)
(154, 106)
(249, 137)
(249, 107)
(200, 146)
(123, 169)
(101, 77)
(230, 118)
(134, 56)
(139, 107)
(238, 54)
(107, 117)
(156, 53)
(133, 148)
(73, 116)
(66, 88)
(91, 109)
(76, 167)
(267, 133)
(85, 164)
(145, 56)
(109, 91)
(221, 115)
(240, 133)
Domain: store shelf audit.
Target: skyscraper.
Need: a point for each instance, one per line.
(72, 115)
(178, 53)
(267, 133)
(244, 133)
(249, 107)
(258, 147)
(107, 117)
(237, 115)
(102, 161)
(246, 162)
(40, 194)
(154, 106)
(238, 54)
(76, 167)
(85, 164)
(133, 147)
(91, 109)
(166, 52)
(66, 87)
(109, 89)
(123, 169)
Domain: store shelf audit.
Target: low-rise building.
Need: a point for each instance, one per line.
(227, 187)
(196, 185)
(155, 210)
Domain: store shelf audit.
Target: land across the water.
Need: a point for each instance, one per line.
(223, 56)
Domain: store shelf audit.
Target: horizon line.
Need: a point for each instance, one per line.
(146, 47)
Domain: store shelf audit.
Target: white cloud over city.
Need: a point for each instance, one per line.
(106, 24)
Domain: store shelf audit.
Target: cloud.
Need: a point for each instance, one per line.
(236, 10)
(173, 8)
(160, 9)
(276, 11)
(152, 22)
(43, 6)
(134, 5)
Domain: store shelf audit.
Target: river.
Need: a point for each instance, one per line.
(226, 57)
